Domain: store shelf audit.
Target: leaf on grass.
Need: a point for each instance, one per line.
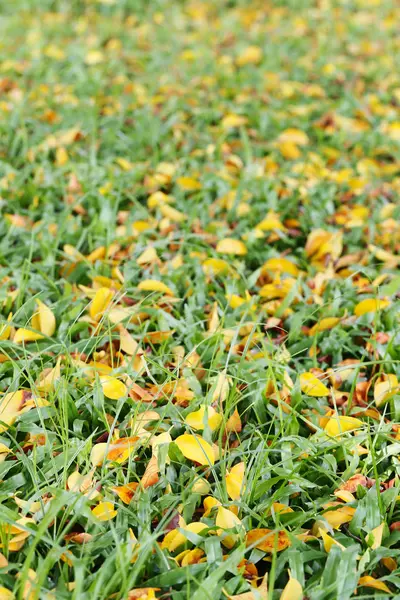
(234, 481)
(386, 386)
(368, 581)
(268, 540)
(293, 590)
(374, 538)
(370, 305)
(226, 519)
(104, 511)
(197, 419)
(101, 301)
(337, 425)
(312, 386)
(231, 246)
(153, 285)
(329, 541)
(113, 388)
(196, 449)
(126, 492)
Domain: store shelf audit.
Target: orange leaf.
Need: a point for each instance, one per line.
(268, 540)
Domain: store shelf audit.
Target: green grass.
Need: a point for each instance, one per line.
(283, 112)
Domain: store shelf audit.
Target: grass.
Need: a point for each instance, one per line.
(199, 300)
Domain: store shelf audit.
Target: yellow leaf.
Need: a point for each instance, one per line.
(312, 386)
(322, 244)
(281, 509)
(254, 594)
(384, 390)
(234, 481)
(231, 121)
(196, 449)
(196, 419)
(153, 285)
(61, 157)
(226, 519)
(368, 581)
(292, 590)
(324, 325)
(49, 377)
(47, 321)
(251, 55)
(113, 388)
(337, 518)
(104, 511)
(125, 164)
(337, 425)
(189, 184)
(329, 541)
(5, 330)
(6, 594)
(100, 303)
(231, 246)
(213, 319)
(289, 150)
(270, 223)
(172, 214)
(370, 305)
(94, 57)
(295, 136)
(127, 343)
(374, 538)
(148, 257)
(215, 266)
(26, 335)
(280, 265)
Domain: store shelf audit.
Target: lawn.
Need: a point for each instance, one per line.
(199, 300)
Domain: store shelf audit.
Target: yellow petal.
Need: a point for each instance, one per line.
(234, 481)
(153, 285)
(196, 419)
(100, 303)
(292, 590)
(312, 386)
(47, 321)
(195, 448)
(226, 519)
(113, 388)
(231, 246)
(104, 511)
(337, 425)
(370, 305)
